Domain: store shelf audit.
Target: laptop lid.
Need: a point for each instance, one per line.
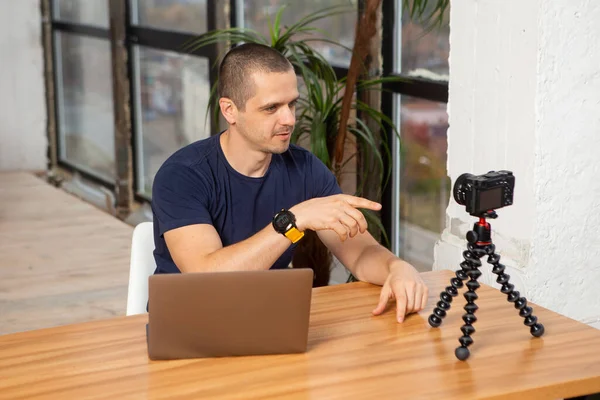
(214, 314)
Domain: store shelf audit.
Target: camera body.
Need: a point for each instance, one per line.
(482, 193)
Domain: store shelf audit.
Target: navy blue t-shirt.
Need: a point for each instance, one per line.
(196, 185)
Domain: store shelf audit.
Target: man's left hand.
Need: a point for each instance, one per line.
(405, 285)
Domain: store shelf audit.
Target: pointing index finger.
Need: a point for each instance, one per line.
(361, 202)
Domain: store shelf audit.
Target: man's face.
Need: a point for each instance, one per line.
(268, 120)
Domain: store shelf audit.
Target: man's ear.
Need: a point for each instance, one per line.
(228, 109)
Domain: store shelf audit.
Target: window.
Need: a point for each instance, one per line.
(420, 189)
(171, 91)
(85, 104)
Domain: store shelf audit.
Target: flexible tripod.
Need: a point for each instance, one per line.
(480, 244)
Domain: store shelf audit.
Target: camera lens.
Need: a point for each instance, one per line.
(461, 188)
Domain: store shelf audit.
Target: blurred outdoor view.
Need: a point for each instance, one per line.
(424, 186)
(84, 93)
(339, 28)
(171, 92)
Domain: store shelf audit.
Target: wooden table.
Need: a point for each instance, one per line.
(351, 354)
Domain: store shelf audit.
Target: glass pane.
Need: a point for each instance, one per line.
(85, 103)
(171, 15)
(424, 186)
(339, 28)
(172, 94)
(425, 47)
(88, 12)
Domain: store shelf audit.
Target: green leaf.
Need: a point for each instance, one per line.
(276, 27)
(430, 13)
(375, 225)
(318, 142)
(326, 12)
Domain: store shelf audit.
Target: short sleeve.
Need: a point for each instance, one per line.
(322, 181)
(180, 197)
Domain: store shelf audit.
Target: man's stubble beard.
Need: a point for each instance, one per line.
(264, 147)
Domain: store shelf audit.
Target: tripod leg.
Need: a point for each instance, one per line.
(462, 352)
(513, 296)
(451, 291)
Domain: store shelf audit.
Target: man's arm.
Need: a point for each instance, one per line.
(198, 248)
(370, 262)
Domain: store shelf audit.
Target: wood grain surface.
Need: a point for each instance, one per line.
(351, 355)
(62, 260)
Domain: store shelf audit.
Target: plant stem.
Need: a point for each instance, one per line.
(366, 27)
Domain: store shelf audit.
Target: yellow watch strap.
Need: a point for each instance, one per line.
(294, 234)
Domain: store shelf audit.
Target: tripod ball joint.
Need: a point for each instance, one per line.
(462, 353)
(435, 321)
(537, 330)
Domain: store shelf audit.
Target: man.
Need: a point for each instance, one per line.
(242, 199)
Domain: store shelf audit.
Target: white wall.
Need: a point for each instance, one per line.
(23, 139)
(525, 96)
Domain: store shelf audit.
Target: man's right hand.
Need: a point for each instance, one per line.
(338, 213)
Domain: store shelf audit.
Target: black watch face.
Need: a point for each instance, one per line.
(284, 220)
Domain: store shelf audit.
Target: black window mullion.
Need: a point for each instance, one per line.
(52, 9)
(233, 13)
(340, 72)
(212, 54)
(387, 108)
(211, 12)
(419, 87)
(53, 57)
(167, 40)
(80, 29)
(133, 106)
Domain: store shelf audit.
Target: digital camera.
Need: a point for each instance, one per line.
(482, 193)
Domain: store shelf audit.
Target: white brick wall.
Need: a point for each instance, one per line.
(23, 139)
(525, 96)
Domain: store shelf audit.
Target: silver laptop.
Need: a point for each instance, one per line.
(217, 314)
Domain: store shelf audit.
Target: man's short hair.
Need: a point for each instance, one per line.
(243, 60)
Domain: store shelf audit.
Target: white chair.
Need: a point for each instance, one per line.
(142, 265)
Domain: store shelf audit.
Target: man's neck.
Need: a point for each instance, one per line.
(243, 158)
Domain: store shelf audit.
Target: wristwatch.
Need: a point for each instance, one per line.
(284, 222)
